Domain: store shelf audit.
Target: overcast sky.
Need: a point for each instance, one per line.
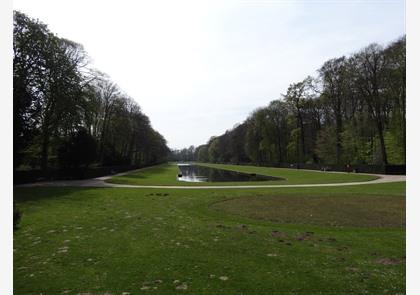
(198, 68)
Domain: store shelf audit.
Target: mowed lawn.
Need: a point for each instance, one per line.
(166, 174)
(332, 240)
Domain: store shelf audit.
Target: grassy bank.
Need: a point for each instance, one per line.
(166, 174)
(115, 240)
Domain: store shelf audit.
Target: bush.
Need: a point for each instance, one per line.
(17, 215)
(78, 150)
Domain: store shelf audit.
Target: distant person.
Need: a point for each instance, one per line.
(348, 168)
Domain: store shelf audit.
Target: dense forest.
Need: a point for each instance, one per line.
(352, 112)
(67, 114)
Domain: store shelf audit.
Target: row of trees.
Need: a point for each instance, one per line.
(66, 114)
(352, 112)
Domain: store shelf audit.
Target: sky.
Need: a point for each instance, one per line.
(197, 68)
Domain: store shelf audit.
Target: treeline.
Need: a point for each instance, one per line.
(66, 115)
(352, 112)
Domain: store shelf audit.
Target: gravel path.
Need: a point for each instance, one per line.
(100, 182)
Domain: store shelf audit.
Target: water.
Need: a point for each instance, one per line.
(194, 173)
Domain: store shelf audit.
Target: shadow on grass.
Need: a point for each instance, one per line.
(32, 194)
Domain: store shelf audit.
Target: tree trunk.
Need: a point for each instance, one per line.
(103, 133)
(45, 147)
(382, 141)
(302, 138)
(338, 130)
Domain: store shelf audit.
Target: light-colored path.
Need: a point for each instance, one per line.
(100, 182)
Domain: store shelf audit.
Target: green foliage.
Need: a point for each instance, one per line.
(214, 150)
(78, 150)
(326, 146)
(203, 154)
(353, 112)
(396, 151)
(293, 145)
(55, 95)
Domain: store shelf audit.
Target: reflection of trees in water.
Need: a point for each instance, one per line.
(196, 173)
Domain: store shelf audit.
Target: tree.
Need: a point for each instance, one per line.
(370, 71)
(395, 79)
(203, 153)
(78, 150)
(352, 112)
(326, 146)
(335, 90)
(47, 70)
(28, 63)
(296, 95)
(107, 93)
(214, 150)
(60, 104)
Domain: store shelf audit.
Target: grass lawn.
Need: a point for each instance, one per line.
(163, 241)
(166, 174)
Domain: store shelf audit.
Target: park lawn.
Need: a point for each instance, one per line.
(165, 241)
(166, 174)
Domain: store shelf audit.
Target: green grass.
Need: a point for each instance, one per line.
(115, 240)
(332, 210)
(166, 174)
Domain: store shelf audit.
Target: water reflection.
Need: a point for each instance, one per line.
(194, 173)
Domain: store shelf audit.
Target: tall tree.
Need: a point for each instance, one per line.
(370, 66)
(59, 103)
(335, 90)
(296, 95)
(50, 69)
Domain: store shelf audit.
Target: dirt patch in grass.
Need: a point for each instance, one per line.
(390, 261)
(331, 210)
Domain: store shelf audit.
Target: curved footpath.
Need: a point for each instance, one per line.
(100, 182)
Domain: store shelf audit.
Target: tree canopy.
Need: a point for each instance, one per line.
(67, 114)
(352, 112)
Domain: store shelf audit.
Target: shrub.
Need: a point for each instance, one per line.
(17, 215)
(78, 150)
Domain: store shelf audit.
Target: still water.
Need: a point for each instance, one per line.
(194, 173)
